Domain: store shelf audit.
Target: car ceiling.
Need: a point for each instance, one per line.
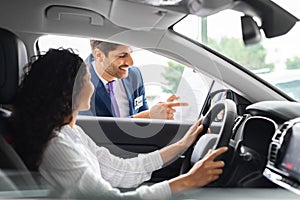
(119, 12)
(112, 18)
(93, 13)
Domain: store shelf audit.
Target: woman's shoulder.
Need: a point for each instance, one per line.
(65, 133)
(63, 138)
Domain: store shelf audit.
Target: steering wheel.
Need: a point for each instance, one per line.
(204, 142)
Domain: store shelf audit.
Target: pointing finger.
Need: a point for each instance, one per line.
(172, 98)
(175, 104)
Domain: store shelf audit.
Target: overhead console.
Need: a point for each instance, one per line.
(283, 167)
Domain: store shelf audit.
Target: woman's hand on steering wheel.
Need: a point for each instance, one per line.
(207, 169)
(191, 135)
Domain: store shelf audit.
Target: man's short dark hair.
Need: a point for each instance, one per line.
(104, 46)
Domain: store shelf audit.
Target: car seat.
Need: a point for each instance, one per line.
(13, 56)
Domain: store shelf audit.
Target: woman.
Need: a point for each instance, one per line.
(56, 87)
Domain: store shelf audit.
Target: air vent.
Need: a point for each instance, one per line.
(277, 135)
(283, 127)
(273, 153)
(279, 132)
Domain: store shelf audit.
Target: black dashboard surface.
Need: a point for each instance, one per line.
(279, 111)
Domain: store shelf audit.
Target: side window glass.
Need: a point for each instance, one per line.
(79, 45)
(162, 76)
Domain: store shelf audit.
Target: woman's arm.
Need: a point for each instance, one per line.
(71, 168)
(120, 172)
(134, 171)
(130, 172)
(170, 152)
(69, 163)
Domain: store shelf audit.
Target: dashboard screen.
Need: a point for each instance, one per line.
(291, 159)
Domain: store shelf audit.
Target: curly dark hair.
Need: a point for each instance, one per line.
(44, 102)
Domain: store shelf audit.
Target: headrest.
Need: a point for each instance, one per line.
(13, 57)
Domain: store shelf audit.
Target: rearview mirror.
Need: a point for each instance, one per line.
(250, 30)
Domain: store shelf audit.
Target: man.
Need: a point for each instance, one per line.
(112, 63)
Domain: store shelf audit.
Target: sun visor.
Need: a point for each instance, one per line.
(148, 16)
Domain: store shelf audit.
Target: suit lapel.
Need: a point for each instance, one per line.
(101, 96)
(129, 92)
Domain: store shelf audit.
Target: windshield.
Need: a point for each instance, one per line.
(276, 60)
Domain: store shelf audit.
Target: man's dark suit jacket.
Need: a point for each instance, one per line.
(100, 101)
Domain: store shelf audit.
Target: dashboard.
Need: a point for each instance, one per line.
(263, 150)
(267, 136)
(283, 167)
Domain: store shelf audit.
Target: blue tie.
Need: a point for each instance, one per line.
(113, 100)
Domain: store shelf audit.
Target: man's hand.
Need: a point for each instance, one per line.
(165, 110)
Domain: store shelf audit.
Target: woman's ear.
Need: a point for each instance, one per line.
(98, 55)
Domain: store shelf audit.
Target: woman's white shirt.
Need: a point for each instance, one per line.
(74, 162)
